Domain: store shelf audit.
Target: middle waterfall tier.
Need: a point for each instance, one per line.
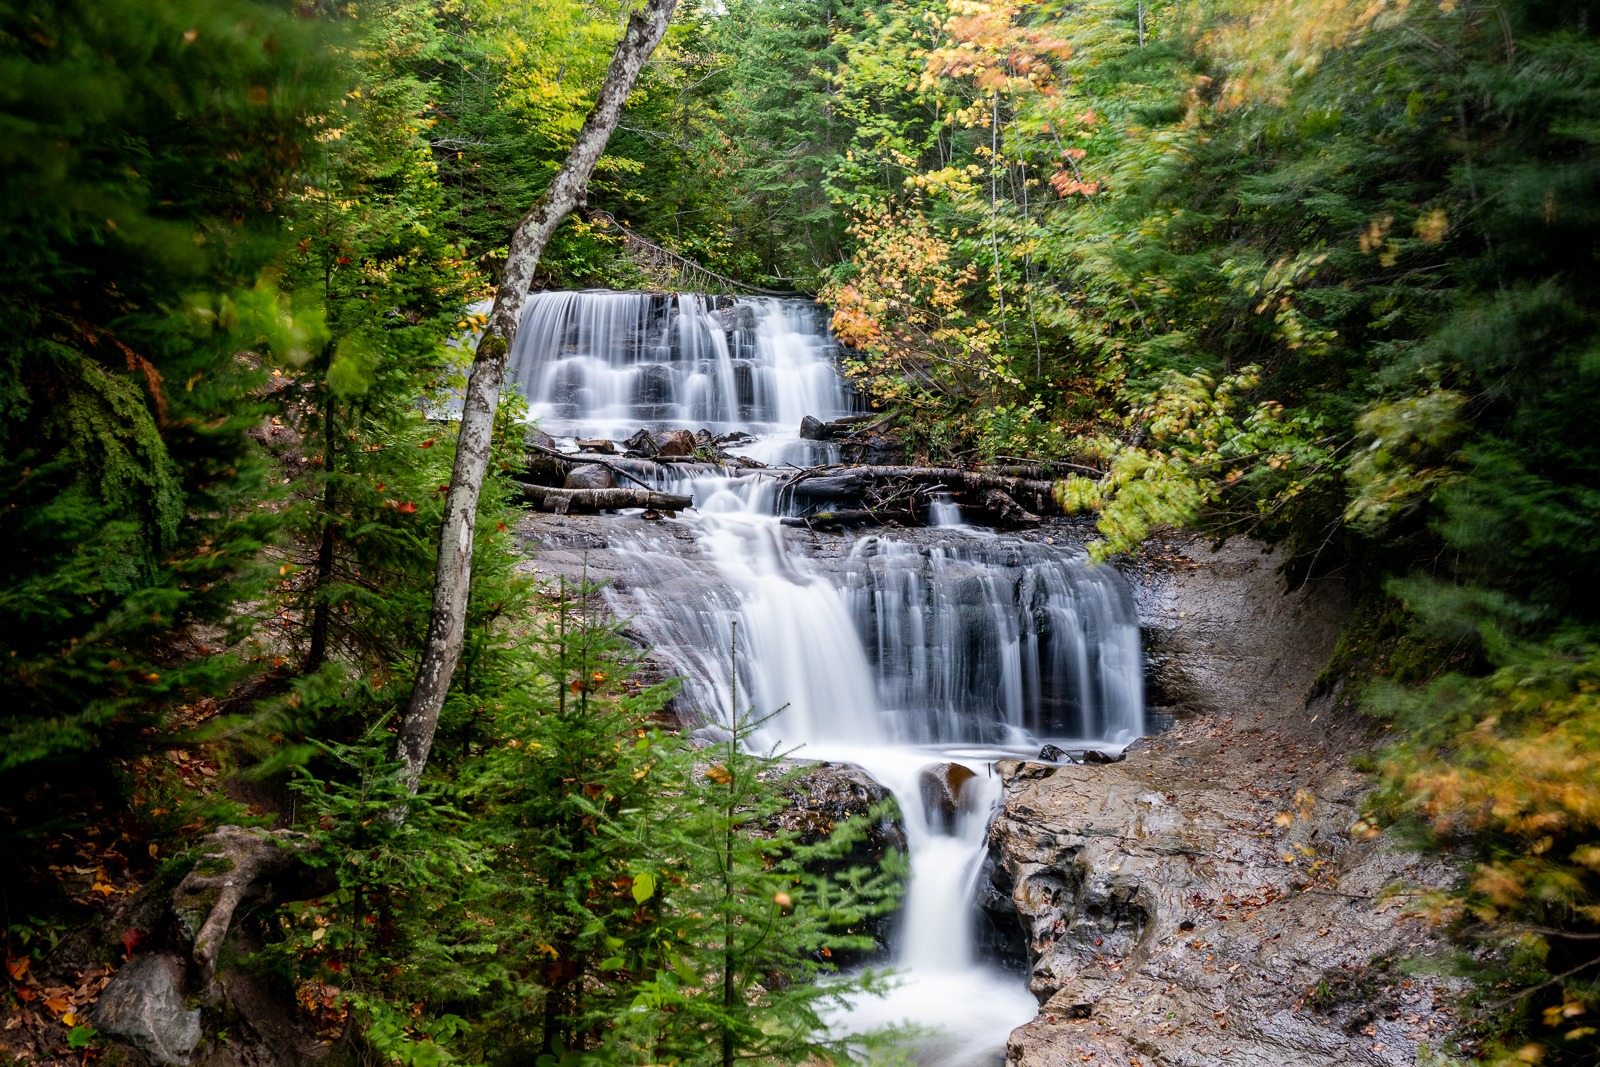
(893, 643)
(598, 363)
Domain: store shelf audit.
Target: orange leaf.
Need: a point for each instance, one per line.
(408, 508)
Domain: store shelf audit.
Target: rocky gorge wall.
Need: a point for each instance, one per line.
(1205, 901)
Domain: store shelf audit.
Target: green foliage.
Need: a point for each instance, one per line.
(1321, 274)
(573, 884)
(146, 151)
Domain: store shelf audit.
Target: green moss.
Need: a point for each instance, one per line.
(1382, 640)
(210, 868)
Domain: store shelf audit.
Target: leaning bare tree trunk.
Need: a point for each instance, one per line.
(453, 577)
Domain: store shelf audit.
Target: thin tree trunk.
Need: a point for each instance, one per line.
(452, 580)
(320, 608)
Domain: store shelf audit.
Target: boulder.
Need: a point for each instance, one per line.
(814, 429)
(674, 443)
(540, 438)
(144, 1006)
(943, 797)
(589, 476)
(597, 446)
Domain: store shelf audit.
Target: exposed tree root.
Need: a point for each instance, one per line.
(241, 866)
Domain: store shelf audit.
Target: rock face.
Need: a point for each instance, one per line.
(144, 1005)
(1203, 901)
(813, 429)
(1221, 636)
(589, 476)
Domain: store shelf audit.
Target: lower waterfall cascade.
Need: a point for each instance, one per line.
(896, 654)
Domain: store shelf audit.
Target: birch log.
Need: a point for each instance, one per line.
(602, 499)
(453, 577)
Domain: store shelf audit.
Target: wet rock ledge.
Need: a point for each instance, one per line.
(1204, 901)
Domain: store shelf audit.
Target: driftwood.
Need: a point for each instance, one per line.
(843, 481)
(955, 478)
(573, 500)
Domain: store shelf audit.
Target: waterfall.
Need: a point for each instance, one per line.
(606, 363)
(899, 652)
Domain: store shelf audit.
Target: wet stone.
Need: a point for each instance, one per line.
(589, 476)
(943, 796)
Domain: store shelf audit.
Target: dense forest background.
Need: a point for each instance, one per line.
(1315, 272)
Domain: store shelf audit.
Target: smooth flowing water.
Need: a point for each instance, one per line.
(895, 654)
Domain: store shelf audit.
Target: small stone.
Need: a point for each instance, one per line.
(943, 797)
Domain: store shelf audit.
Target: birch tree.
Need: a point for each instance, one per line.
(453, 578)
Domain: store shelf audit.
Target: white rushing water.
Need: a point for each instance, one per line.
(895, 655)
(605, 363)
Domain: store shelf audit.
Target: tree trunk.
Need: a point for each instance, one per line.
(447, 623)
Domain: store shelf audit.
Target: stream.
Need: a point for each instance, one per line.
(910, 649)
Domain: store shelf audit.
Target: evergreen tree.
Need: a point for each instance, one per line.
(147, 152)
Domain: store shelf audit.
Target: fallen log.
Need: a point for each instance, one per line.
(952, 477)
(833, 520)
(563, 501)
(571, 459)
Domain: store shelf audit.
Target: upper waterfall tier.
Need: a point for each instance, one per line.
(604, 363)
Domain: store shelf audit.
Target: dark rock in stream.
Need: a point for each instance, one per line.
(589, 476)
(943, 797)
(813, 429)
(674, 443)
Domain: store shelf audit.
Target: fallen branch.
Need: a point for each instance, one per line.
(954, 478)
(563, 501)
(1041, 468)
(652, 255)
(828, 520)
